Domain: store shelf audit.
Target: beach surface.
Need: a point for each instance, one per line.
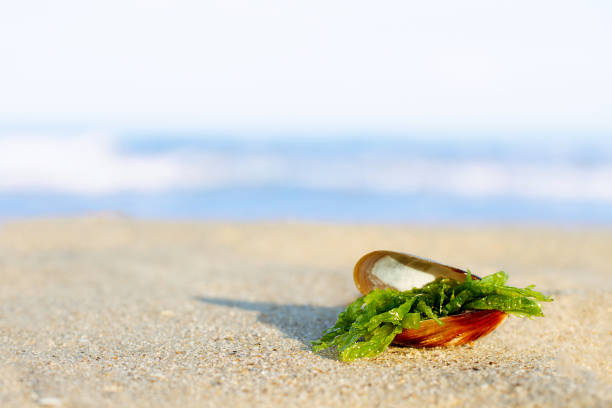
(111, 311)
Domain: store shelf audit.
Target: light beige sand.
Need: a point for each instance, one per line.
(117, 312)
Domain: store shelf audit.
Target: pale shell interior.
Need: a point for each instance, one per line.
(398, 275)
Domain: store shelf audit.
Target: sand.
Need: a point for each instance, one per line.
(109, 311)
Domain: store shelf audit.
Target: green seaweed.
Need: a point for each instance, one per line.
(368, 325)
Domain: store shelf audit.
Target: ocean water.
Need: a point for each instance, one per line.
(338, 178)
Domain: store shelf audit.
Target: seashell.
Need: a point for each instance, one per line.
(396, 270)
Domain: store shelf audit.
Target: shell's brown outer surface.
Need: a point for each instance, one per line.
(457, 329)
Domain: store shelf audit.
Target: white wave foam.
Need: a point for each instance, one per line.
(85, 164)
(92, 164)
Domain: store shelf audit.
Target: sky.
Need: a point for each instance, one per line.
(348, 65)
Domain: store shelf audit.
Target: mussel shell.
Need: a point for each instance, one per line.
(457, 329)
(396, 270)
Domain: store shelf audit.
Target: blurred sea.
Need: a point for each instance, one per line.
(564, 180)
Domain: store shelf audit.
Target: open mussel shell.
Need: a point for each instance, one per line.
(400, 271)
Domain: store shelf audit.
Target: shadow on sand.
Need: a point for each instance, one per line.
(301, 322)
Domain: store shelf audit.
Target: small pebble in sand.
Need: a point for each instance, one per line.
(111, 388)
(50, 402)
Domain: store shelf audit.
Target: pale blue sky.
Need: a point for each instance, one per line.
(394, 65)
